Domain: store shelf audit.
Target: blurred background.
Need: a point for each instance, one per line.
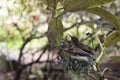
(23, 28)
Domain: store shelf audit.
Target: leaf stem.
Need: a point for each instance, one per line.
(102, 49)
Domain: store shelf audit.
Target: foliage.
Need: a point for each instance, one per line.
(25, 23)
(93, 6)
(82, 4)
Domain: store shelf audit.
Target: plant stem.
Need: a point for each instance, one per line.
(100, 56)
(102, 48)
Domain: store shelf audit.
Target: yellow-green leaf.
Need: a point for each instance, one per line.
(90, 25)
(115, 58)
(76, 5)
(49, 3)
(112, 38)
(106, 15)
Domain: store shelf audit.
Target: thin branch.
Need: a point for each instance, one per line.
(25, 43)
(75, 24)
(87, 37)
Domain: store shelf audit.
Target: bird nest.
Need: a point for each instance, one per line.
(76, 56)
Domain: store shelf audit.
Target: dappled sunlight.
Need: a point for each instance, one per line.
(59, 39)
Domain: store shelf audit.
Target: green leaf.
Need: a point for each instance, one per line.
(112, 38)
(33, 76)
(49, 3)
(115, 58)
(76, 5)
(90, 25)
(106, 15)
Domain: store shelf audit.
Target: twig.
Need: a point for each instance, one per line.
(75, 24)
(87, 37)
(24, 44)
(19, 71)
